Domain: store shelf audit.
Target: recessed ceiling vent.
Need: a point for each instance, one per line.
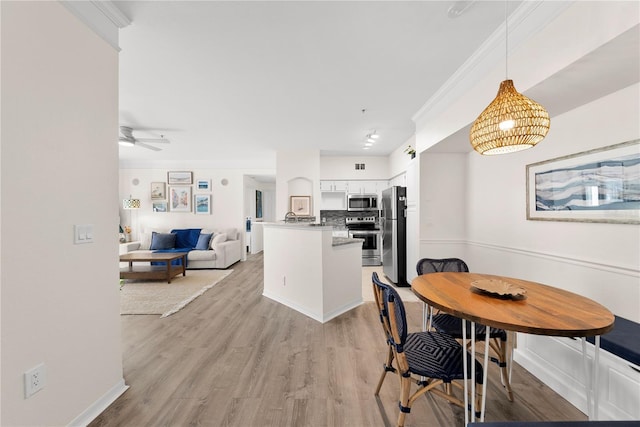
(359, 166)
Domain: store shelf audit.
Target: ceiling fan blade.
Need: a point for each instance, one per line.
(154, 140)
(150, 147)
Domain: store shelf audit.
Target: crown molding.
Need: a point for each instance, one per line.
(525, 21)
(102, 17)
(112, 12)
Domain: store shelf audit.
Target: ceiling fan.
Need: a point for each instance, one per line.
(127, 139)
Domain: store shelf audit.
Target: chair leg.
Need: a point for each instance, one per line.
(388, 367)
(478, 398)
(501, 350)
(405, 389)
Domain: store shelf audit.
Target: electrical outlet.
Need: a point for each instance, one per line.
(34, 380)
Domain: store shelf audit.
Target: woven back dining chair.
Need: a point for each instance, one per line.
(378, 294)
(428, 359)
(452, 325)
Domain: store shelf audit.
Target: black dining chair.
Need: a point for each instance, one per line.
(428, 359)
(452, 325)
(378, 294)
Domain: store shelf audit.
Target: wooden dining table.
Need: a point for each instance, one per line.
(537, 309)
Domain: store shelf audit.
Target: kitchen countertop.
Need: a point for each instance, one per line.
(339, 241)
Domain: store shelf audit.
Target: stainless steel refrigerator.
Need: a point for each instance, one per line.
(393, 218)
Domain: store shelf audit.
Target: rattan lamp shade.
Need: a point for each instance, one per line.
(524, 123)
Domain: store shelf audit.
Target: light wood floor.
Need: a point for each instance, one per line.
(236, 358)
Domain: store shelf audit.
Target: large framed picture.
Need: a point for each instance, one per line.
(300, 205)
(158, 191)
(180, 199)
(202, 203)
(601, 185)
(180, 178)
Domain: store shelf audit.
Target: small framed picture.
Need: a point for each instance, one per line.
(180, 199)
(203, 184)
(202, 203)
(180, 178)
(158, 191)
(300, 205)
(159, 206)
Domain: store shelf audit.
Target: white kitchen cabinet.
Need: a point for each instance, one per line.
(334, 186)
(340, 233)
(367, 187)
(333, 200)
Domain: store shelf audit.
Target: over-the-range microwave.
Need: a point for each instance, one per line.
(362, 202)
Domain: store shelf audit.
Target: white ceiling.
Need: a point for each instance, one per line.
(232, 82)
(235, 81)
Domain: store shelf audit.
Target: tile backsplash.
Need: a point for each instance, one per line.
(337, 217)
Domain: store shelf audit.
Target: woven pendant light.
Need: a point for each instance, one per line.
(512, 122)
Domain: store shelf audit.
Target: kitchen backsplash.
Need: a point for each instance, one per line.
(337, 217)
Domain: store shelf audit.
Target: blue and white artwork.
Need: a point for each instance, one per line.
(612, 184)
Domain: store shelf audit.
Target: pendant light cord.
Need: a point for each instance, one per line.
(506, 41)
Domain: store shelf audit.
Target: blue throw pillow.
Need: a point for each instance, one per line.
(162, 241)
(203, 242)
(186, 238)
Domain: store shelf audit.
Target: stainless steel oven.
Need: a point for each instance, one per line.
(366, 229)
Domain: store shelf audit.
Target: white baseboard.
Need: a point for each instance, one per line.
(341, 310)
(99, 405)
(320, 317)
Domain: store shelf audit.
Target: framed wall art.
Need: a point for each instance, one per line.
(300, 205)
(180, 178)
(180, 199)
(203, 185)
(202, 204)
(159, 205)
(158, 191)
(601, 185)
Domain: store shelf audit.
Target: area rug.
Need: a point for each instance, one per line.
(160, 297)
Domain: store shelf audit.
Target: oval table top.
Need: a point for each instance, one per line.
(544, 311)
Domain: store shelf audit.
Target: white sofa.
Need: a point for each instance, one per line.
(225, 249)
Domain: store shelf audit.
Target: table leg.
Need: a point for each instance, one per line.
(591, 377)
(473, 370)
(587, 378)
(184, 265)
(168, 263)
(485, 373)
(596, 366)
(464, 373)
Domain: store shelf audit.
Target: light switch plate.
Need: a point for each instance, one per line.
(82, 233)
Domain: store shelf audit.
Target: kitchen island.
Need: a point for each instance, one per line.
(309, 270)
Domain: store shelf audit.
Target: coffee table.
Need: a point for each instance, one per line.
(166, 271)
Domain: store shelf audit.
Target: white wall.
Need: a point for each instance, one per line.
(600, 261)
(443, 194)
(399, 160)
(297, 174)
(343, 168)
(227, 201)
(59, 301)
